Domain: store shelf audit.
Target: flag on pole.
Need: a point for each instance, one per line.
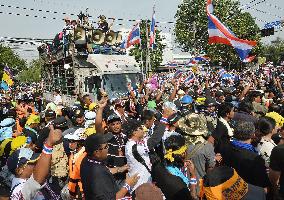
(7, 76)
(219, 33)
(177, 74)
(190, 78)
(133, 37)
(248, 59)
(153, 30)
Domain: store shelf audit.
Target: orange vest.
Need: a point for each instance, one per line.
(75, 185)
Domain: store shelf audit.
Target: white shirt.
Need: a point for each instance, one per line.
(26, 189)
(265, 147)
(57, 99)
(135, 166)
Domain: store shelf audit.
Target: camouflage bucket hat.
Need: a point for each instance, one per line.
(194, 127)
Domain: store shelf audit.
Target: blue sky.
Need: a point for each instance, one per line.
(22, 26)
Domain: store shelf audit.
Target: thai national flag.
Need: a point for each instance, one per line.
(248, 59)
(8, 71)
(133, 37)
(201, 58)
(219, 33)
(178, 73)
(152, 31)
(8, 76)
(190, 78)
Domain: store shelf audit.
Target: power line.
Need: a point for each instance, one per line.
(262, 1)
(274, 6)
(39, 10)
(243, 6)
(26, 38)
(265, 12)
(260, 20)
(72, 14)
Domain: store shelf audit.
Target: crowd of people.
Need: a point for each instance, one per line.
(174, 137)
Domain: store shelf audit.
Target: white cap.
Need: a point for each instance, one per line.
(77, 135)
(180, 92)
(170, 105)
(90, 118)
(90, 115)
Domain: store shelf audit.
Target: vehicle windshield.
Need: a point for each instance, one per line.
(116, 84)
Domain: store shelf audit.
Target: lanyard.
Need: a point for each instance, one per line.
(120, 140)
(94, 161)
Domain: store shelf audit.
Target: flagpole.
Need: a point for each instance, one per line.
(141, 60)
(147, 50)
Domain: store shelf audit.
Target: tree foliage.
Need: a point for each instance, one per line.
(192, 28)
(274, 52)
(32, 73)
(9, 58)
(155, 55)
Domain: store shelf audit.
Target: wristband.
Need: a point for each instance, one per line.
(127, 187)
(47, 149)
(193, 181)
(50, 147)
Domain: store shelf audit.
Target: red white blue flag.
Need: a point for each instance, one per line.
(153, 30)
(190, 78)
(248, 59)
(133, 37)
(219, 33)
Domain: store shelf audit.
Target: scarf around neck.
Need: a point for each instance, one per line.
(242, 145)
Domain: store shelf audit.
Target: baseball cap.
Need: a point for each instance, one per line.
(7, 122)
(180, 92)
(90, 117)
(50, 113)
(186, 99)
(33, 119)
(77, 135)
(30, 133)
(112, 118)
(68, 131)
(21, 157)
(172, 119)
(170, 105)
(60, 123)
(92, 106)
(93, 142)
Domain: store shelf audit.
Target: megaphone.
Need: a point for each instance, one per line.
(98, 36)
(118, 38)
(80, 34)
(110, 38)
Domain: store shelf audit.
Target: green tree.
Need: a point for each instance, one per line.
(274, 52)
(32, 73)
(155, 55)
(9, 58)
(192, 28)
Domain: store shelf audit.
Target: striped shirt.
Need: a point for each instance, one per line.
(116, 153)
